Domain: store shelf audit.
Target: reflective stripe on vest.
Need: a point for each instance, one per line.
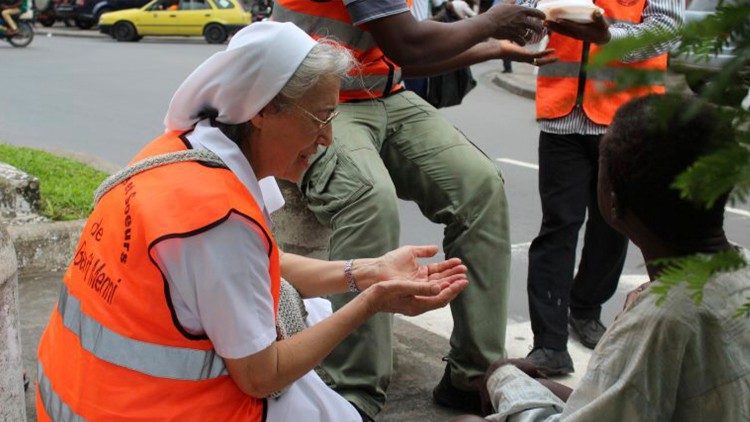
(56, 409)
(152, 359)
(376, 75)
(371, 83)
(572, 69)
(563, 85)
(97, 345)
(321, 26)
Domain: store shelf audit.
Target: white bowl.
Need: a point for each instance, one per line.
(575, 10)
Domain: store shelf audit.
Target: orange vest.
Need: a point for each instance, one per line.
(376, 75)
(113, 348)
(562, 85)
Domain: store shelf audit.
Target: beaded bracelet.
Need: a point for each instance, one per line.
(351, 282)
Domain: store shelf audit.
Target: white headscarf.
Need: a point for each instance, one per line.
(239, 81)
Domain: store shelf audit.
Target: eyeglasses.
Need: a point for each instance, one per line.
(321, 123)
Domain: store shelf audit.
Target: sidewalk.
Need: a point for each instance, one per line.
(522, 81)
(58, 30)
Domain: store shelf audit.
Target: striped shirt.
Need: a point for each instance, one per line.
(658, 15)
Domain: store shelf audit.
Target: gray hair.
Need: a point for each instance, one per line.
(327, 57)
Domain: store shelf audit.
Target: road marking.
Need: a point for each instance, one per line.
(520, 247)
(518, 163)
(737, 211)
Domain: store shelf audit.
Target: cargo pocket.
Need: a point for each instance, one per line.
(490, 160)
(333, 183)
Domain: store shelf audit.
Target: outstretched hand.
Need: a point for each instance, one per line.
(402, 263)
(511, 51)
(597, 31)
(412, 297)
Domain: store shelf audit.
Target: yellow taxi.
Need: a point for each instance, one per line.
(215, 20)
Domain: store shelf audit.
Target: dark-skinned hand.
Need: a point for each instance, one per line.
(516, 53)
(596, 31)
(515, 23)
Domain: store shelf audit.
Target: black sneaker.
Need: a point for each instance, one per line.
(551, 362)
(446, 395)
(588, 331)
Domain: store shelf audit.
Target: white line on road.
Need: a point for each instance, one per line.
(737, 211)
(518, 163)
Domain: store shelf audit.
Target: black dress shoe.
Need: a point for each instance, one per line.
(445, 394)
(551, 362)
(589, 331)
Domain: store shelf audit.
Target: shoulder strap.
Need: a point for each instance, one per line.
(202, 155)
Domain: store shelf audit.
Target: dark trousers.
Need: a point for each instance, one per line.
(507, 65)
(568, 166)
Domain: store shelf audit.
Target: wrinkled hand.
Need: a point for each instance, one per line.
(596, 31)
(515, 23)
(461, 9)
(413, 297)
(511, 51)
(402, 263)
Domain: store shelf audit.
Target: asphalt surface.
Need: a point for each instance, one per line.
(93, 96)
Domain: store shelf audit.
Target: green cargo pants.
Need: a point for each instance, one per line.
(400, 146)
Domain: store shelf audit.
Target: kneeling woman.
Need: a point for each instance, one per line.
(169, 309)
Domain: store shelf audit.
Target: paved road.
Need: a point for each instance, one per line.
(107, 99)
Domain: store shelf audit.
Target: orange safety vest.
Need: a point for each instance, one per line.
(565, 84)
(376, 76)
(113, 348)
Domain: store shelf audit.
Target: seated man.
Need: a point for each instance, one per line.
(670, 361)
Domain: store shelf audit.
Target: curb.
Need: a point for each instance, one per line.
(521, 85)
(95, 34)
(49, 32)
(45, 246)
(49, 246)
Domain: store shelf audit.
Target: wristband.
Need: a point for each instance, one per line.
(351, 283)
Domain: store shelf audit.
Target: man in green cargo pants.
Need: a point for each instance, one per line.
(390, 144)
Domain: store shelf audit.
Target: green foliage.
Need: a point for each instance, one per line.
(744, 310)
(726, 171)
(694, 270)
(67, 186)
(716, 174)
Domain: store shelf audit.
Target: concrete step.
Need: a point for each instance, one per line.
(19, 196)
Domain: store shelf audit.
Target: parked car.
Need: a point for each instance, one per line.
(86, 13)
(698, 70)
(45, 12)
(215, 20)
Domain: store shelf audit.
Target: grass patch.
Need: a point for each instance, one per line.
(67, 186)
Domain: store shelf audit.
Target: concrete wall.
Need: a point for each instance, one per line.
(12, 404)
(45, 246)
(296, 229)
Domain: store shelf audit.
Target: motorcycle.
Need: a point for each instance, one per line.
(25, 33)
(261, 10)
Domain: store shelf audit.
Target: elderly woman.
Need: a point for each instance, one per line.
(169, 309)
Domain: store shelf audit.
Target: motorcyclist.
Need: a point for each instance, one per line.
(8, 8)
